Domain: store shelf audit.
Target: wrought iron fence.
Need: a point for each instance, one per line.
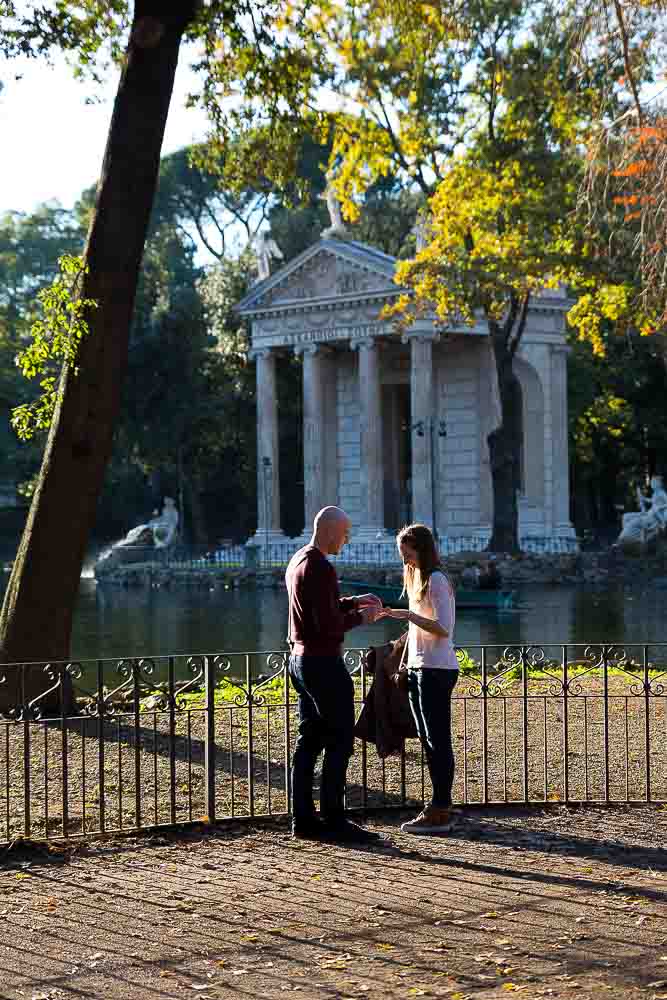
(383, 552)
(275, 555)
(112, 745)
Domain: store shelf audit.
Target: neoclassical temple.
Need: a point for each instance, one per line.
(409, 415)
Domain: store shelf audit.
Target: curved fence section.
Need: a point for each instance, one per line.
(99, 746)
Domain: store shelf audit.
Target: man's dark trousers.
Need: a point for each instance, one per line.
(326, 723)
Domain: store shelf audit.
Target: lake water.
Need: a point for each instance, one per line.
(114, 622)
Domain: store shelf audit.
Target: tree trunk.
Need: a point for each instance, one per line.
(504, 448)
(36, 617)
(197, 513)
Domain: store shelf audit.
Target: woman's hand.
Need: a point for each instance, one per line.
(427, 624)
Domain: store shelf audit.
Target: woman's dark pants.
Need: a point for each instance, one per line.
(430, 692)
(326, 723)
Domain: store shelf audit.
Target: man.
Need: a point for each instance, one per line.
(318, 620)
(489, 577)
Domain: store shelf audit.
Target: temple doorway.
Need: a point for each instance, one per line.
(397, 456)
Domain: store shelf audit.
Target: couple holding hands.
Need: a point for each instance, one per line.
(318, 620)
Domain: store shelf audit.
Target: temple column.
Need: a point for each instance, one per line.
(422, 414)
(560, 465)
(371, 472)
(268, 459)
(314, 424)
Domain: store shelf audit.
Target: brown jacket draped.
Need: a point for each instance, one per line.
(386, 718)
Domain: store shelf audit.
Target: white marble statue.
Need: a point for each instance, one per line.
(164, 527)
(650, 520)
(266, 248)
(160, 530)
(422, 233)
(337, 226)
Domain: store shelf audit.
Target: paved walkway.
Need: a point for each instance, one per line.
(542, 903)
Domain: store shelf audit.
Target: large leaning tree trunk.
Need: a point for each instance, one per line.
(505, 440)
(36, 617)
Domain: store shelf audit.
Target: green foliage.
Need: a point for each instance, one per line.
(91, 32)
(496, 236)
(616, 422)
(467, 665)
(231, 693)
(30, 245)
(478, 105)
(55, 343)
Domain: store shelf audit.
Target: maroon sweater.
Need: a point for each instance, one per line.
(318, 616)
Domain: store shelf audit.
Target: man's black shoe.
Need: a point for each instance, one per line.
(347, 832)
(309, 829)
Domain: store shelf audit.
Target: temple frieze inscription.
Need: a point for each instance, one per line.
(322, 335)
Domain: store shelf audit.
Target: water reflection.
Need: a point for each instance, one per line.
(117, 622)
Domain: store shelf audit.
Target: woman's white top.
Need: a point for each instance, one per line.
(424, 648)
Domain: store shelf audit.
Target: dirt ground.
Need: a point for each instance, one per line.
(555, 902)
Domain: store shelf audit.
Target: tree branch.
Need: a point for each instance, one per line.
(514, 339)
(626, 59)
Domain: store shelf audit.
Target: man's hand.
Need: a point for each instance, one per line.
(368, 601)
(370, 613)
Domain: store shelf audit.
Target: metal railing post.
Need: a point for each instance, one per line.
(27, 778)
(605, 721)
(171, 739)
(250, 772)
(647, 725)
(485, 729)
(288, 742)
(101, 744)
(524, 680)
(64, 749)
(136, 714)
(566, 731)
(209, 744)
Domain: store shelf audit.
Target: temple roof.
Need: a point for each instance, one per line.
(330, 270)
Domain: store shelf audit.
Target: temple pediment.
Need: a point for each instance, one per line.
(338, 270)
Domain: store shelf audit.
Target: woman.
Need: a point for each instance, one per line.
(433, 669)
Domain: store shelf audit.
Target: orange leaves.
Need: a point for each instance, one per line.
(633, 169)
(648, 133)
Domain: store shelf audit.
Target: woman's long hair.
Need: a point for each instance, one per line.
(420, 538)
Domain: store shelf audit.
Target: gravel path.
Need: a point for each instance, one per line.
(556, 902)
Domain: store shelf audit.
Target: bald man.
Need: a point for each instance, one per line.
(318, 620)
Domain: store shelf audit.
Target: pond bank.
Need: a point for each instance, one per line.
(609, 566)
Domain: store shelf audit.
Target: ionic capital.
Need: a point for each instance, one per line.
(421, 337)
(262, 353)
(312, 350)
(365, 344)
